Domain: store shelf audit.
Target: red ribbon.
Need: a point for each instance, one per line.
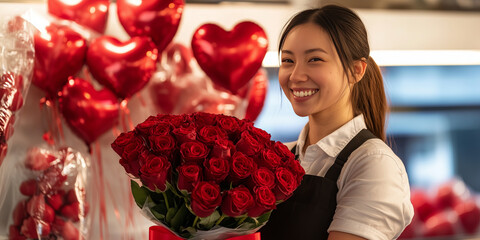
(161, 233)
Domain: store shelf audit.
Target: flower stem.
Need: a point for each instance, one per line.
(220, 219)
(195, 221)
(242, 220)
(166, 199)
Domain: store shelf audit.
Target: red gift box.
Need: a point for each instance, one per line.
(161, 233)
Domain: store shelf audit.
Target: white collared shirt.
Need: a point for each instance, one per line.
(373, 199)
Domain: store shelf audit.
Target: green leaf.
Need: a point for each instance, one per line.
(208, 222)
(160, 209)
(170, 214)
(179, 217)
(158, 215)
(263, 218)
(140, 194)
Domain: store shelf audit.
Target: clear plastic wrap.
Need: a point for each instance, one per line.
(52, 203)
(16, 66)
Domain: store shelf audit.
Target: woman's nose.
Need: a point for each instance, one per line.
(298, 73)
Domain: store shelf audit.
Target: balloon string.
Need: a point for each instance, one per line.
(125, 115)
(101, 192)
(54, 133)
(142, 100)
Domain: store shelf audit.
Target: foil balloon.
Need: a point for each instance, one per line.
(89, 13)
(257, 95)
(158, 19)
(123, 67)
(230, 58)
(88, 112)
(59, 54)
(179, 58)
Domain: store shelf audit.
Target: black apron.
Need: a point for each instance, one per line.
(307, 214)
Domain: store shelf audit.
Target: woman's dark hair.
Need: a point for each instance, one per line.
(349, 36)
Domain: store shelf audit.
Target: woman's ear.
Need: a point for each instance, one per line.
(359, 67)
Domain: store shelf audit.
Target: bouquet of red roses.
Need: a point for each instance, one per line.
(205, 175)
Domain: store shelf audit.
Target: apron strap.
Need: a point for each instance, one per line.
(334, 171)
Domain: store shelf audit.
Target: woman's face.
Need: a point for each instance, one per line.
(311, 74)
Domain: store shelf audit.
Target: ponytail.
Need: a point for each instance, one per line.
(368, 98)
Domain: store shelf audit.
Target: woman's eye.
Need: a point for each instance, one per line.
(315, 59)
(286, 60)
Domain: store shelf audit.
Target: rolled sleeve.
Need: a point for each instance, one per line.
(374, 196)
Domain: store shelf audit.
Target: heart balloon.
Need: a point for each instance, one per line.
(158, 19)
(230, 58)
(89, 13)
(173, 95)
(179, 58)
(59, 54)
(88, 112)
(257, 95)
(123, 67)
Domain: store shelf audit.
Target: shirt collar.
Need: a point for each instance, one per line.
(337, 140)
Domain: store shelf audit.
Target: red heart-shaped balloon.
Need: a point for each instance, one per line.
(123, 67)
(179, 58)
(88, 112)
(59, 54)
(230, 58)
(89, 13)
(257, 95)
(158, 19)
(173, 95)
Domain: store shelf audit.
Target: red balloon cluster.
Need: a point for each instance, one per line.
(450, 210)
(182, 91)
(52, 207)
(231, 59)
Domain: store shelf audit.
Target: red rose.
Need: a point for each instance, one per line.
(121, 142)
(269, 159)
(222, 148)
(237, 201)
(216, 169)
(262, 177)
(248, 144)
(188, 176)
(259, 134)
(264, 201)
(206, 198)
(282, 151)
(297, 170)
(229, 124)
(193, 151)
(286, 184)
(185, 134)
(174, 120)
(162, 144)
(209, 134)
(145, 127)
(202, 119)
(32, 228)
(154, 172)
(242, 167)
(161, 128)
(128, 146)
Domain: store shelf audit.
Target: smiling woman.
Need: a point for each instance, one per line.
(327, 74)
